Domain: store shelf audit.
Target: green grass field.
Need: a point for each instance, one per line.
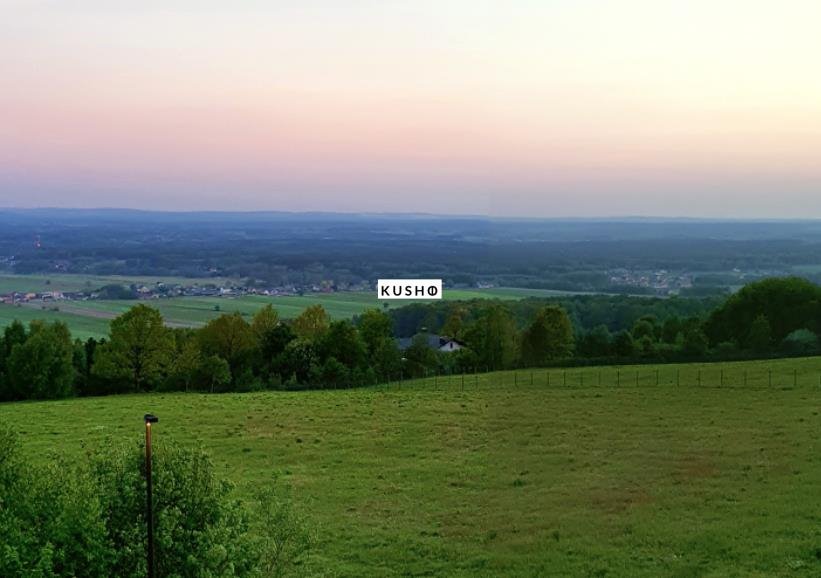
(91, 318)
(503, 475)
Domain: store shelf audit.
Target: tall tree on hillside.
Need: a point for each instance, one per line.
(187, 363)
(695, 343)
(623, 344)
(312, 323)
(598, 342)
(14, 334)
(230, 337)
(343, 342)
(493, 337)
(760, 337)
(548, 337)
(265, 320)
(42, 367)
(139, 350)
(454, 326)
(374, 327)
(645, 326)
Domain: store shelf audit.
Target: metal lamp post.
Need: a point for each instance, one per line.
(149, 505)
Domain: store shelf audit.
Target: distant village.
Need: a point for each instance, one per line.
(161, 290)
(662, 281)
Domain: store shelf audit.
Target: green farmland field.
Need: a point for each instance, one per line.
(689, 473)
(91, 318)
(69, 282)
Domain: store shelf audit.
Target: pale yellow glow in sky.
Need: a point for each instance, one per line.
(550, 108)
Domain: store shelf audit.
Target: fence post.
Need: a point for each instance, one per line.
(463, 381)
(770, 377)
(515, 378)
(547, 373)
(678, 377)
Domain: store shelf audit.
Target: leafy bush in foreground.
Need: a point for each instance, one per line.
(88, 519)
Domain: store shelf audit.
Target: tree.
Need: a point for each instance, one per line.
(270, 347)
(671, 329)
(14, 334)
(454, 326)
(800, 342)
(386, 359)
(213, 372)
(374, 327)
(788, 304)
(230, 337)
(624, 345)
(760, 337)
(696, 343)
(645, 326)
(334, 374)
(265, 321)
(299, 361)
(312, 323)
(188, 363)
(420, 358)
(139, 349)
(548, 337)
(493, 337)
(42, 367)
(596, 343)
(343, 342)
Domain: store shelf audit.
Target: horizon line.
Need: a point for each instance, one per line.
(415, 214)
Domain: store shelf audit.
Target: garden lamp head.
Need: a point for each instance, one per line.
(150, 418)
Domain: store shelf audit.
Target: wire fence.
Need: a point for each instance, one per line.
(669, 377)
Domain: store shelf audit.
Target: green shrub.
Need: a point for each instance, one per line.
(88, 518)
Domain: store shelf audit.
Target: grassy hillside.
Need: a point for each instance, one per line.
(503, 477)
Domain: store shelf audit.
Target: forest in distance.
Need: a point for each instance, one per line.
(350, 251)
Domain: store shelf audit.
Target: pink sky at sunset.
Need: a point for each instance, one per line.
(534, 108)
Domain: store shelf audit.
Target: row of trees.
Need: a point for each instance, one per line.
(229, 353)
(232, 353)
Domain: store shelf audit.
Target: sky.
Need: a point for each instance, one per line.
(515, 108)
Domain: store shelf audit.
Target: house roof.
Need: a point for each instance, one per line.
(431, 340)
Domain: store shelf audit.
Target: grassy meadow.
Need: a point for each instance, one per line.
(91, 318)
(689, 473)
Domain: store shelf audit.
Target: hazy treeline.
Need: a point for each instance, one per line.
(231, 353)
(270, 249)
